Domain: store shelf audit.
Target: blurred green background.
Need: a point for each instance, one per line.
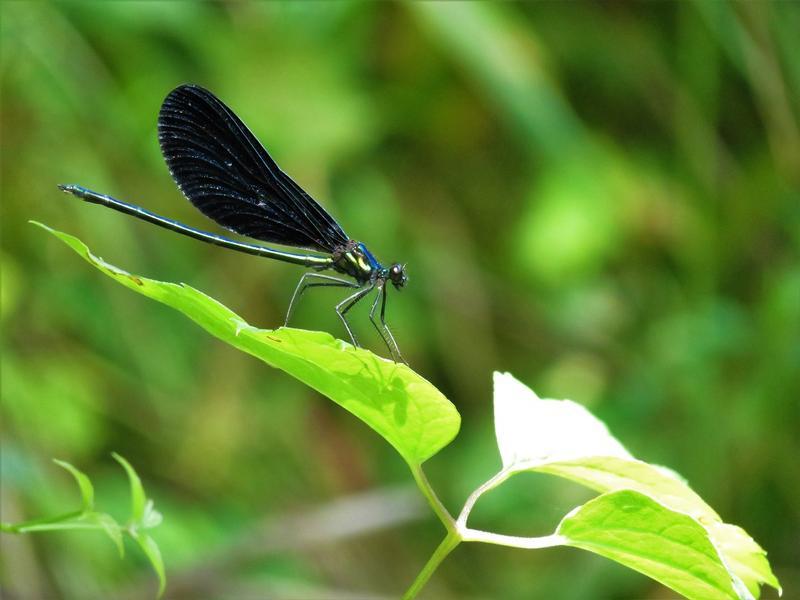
(603, 200)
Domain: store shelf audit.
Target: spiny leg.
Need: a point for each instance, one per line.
(389, 341)
(389, 331)
(388, 338)
(302, 285)
(372, 317)
(348, 303)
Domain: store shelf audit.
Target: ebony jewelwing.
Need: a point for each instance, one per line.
(225, 172)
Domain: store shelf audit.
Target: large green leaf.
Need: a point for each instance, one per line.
(410, 413)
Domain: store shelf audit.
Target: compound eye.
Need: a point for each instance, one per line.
(397, 274)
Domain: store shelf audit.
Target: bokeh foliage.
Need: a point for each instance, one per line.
(603, 200)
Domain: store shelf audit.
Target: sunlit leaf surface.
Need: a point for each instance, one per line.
(411, 414)
(530, 430)
(639, 532)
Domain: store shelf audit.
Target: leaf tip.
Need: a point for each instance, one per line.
(84, 483)
(138, 497)
(40, 224)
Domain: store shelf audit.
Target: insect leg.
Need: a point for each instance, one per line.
(382, 295)
(303, 284)
(347, 304)
(388, 338)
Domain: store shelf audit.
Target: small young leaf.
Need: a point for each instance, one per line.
(143, 516)
(138, 498)
(411, 414)
(635, 530)
(151, 517)
(110, 527)
(85, 485)
(150, 548)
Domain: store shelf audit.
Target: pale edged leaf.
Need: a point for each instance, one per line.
(559, 437)
(401, 406)
(84, 483)
(637, 531)
(138, 497)
(530, 430)
(150, 549)
(611, 473)
(743, 556)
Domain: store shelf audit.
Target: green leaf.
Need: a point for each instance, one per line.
(610, 473)
(411, 414)
(743, 555)
(85, 485)
(110, 527)
(639, 532)
(562, 438)
(150, 548)
(530, 430)
(143, 516)
(138, 497)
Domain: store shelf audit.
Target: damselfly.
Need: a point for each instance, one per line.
(225, 172)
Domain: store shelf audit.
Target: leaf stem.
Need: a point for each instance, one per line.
(425, 487)
(527, 543)
(457, 530)
(34, 524)
(490, 484)
(451, 540)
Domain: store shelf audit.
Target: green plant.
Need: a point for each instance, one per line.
(143, 517)
(645, 516)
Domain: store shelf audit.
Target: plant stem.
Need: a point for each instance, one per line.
(457, 530)
(492, 483)
(436, 504)
(451, 540)
(41, 523)
(513, 541)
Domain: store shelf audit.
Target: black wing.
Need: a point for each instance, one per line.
(223, 170)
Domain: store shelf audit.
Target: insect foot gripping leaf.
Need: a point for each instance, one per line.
(646, 516)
